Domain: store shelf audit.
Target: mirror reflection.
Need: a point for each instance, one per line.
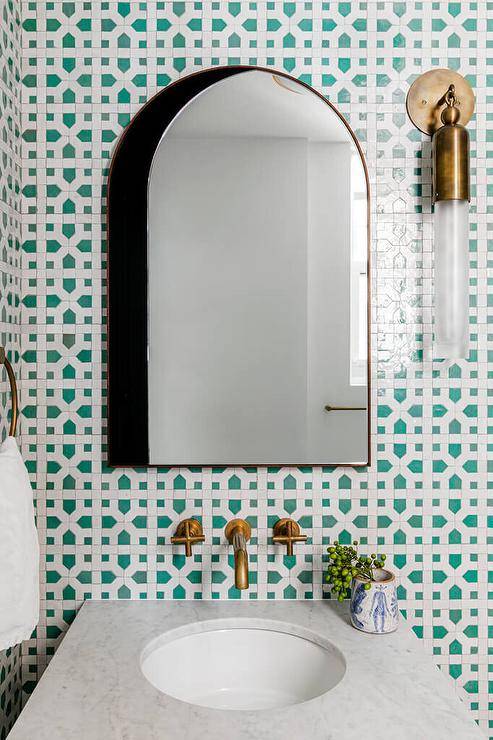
(257, 281)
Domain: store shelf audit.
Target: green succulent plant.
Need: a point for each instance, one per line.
(345, 564)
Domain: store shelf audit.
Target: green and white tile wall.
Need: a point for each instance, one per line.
(10, 278)
(10, 193)
(87, 68)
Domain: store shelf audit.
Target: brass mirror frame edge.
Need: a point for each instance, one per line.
(270, 70)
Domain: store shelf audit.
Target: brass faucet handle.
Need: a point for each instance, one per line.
(188, 533)
(287, 531)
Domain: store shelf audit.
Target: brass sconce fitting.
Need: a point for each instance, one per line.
(287, 531)
(451, 179)
(440, 103)
(188, 533)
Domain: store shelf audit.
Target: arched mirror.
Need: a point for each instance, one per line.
(238, 278)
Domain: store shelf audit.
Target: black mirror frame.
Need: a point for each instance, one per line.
(128, 437)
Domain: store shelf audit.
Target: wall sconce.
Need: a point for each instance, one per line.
(440, 103)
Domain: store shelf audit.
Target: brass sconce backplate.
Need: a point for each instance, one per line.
(425, 99)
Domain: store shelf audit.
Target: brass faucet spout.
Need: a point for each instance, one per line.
(238, 532)
(241, 561)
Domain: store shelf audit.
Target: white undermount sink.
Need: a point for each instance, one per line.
(242, 664)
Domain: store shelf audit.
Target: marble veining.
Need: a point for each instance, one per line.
(94, 688)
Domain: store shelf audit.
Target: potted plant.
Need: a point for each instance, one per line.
(370, 586)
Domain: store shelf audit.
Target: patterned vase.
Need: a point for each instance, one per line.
(375, 610)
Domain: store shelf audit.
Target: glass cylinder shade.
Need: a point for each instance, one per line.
(451, 312)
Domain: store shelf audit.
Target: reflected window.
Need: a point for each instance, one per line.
(359, 266)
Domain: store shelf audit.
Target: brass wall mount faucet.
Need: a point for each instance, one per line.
(188, 533)
(238, 532)
(287, 531)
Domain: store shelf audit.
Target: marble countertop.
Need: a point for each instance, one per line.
(93, 688)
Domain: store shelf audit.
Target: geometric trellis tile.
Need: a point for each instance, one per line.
(10, 688)
(82, 70)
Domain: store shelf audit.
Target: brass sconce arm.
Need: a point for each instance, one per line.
(287, 531)
(188, 533)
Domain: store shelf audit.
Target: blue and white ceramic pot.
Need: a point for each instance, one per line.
(375, 610)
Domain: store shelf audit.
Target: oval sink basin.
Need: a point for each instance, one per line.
(241, 666)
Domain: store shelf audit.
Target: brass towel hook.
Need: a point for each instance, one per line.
(13, 391)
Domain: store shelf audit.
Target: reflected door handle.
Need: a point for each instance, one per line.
(345, 408)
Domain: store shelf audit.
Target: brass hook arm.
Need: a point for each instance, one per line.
(449, 97)
(13, 391)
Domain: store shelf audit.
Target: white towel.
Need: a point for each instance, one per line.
(19, 550)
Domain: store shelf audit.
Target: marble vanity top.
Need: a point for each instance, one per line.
(93, 688)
